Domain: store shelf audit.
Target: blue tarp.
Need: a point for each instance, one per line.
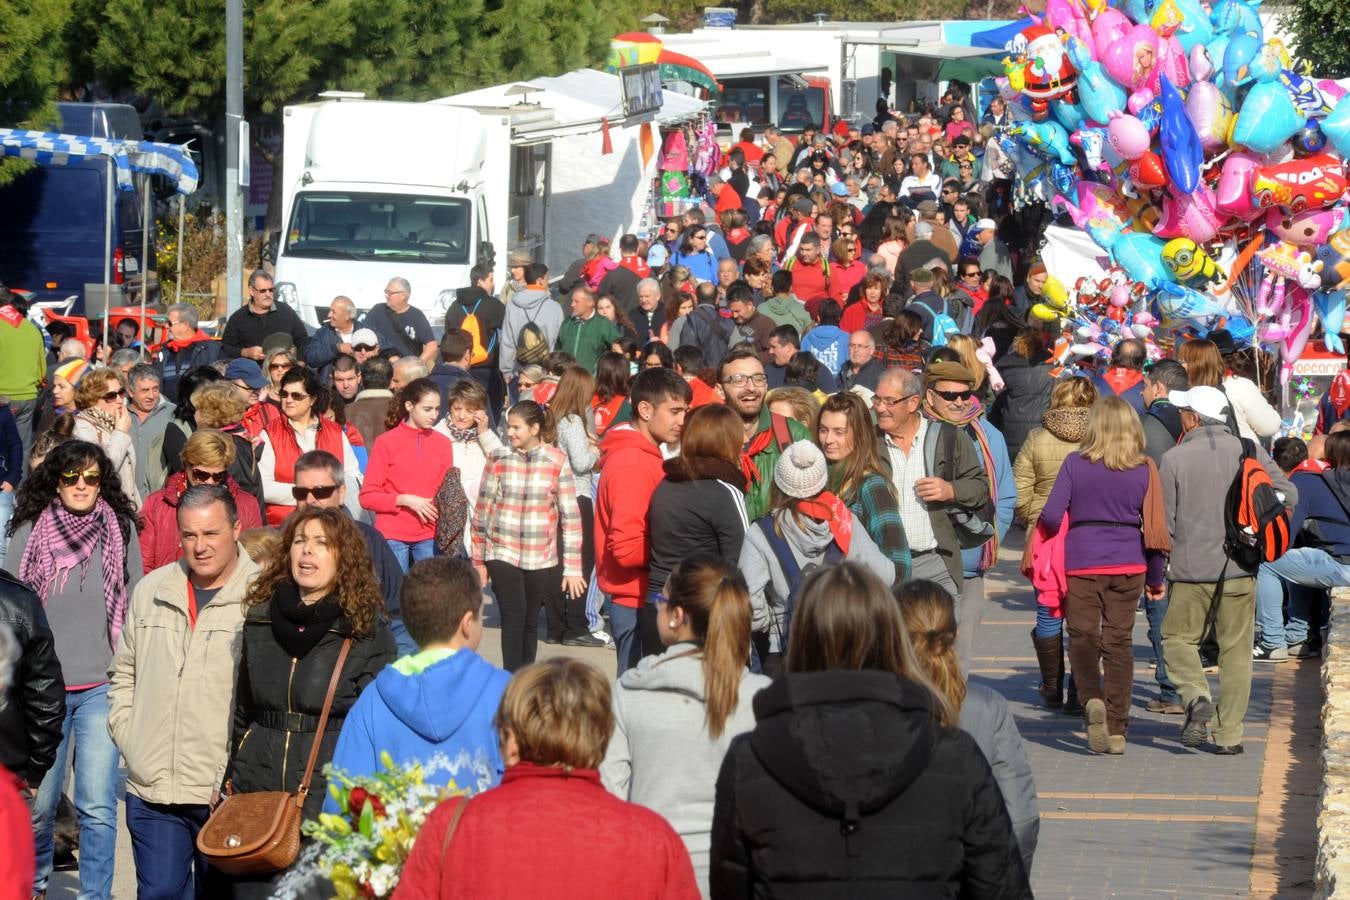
(999, 38)
(51, 149)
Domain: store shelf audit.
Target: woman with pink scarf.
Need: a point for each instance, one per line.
(73, 539)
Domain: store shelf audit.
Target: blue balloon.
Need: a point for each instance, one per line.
(1070, 115)
(1241, 329)
(1047, 138)
(1180, 302)
(1195, 25)
(1181, 150)
(1337, 128)
(1098, 95)
(1238, 56)
(1330, 306)
(1268, 118)
(1140, 255)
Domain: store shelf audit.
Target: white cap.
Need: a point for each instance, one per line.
(366, 337)
(801, 471)
(986, 224)
(1206, 401)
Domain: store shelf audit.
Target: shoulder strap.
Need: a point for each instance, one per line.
(323, 717)
(1334, 493)
(948, 437)
(782, 434)
(791, 571)
(924, 304)
(454, 823)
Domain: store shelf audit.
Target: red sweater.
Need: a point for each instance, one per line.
(159, 520)
(630, 469)
(16, 850)
(522, 840)
(405, 460)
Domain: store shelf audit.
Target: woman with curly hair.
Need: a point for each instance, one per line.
(220, 406)
(301, 608)
(184, 420)
(102, 418)
(73, 539)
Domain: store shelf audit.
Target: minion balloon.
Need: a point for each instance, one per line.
(1190, 264)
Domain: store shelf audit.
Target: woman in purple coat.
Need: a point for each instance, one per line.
(1116, 547)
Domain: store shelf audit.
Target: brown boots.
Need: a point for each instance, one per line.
(1050, 656)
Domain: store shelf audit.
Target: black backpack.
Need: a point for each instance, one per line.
(531, 343)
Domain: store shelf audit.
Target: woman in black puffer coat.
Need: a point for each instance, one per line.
(1028, 384)
(849, 785)
(301, 608)
(699, 509)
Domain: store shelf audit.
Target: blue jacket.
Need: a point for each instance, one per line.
(1004, 503)
(702, 266)
(829, 344)
(1320, 517)
(420, 708)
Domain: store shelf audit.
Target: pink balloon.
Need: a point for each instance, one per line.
(1190, 215)
(1210, 113)
(1234, 197)
(1310, 228)
(1128, 136)
(1292, 346)
(1108, 27)
(1172, 61)
(1133, 62)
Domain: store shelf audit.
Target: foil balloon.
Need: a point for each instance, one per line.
(1237, 58)
(1147, 172)
(1185, 20)
(1267, 118)
(1068, 114)
(1337, 128)
(1305, 229)
(1330, 306)
(1172, 62)
(1109, 26)
(1180, 145)
(1092, 141)
(1299, 331)
(1098, 95)
(1202, 65)
(1128, 136)
(1049, 139)
(1180, 302)
(1233, 16)
(1241, 329)
(1335, 257)
(1234, 194)
(1046, 71)
(1310, 139)
(1190, 264)
(1313, 182)
(1191, 214)
(1133, 62)
(1067, 17)
(1210, 113)
(1305, 93)
(1140, 255)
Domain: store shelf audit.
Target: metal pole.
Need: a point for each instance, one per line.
(234, 115)
(146, 225)
(110, 198)
(178, 282)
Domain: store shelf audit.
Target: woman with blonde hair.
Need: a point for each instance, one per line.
(554, 723)
(102, 418)
(854, 742)
(844, 432)
(666, 750)
(968, 349)
(219, 405)
(1034, 471)
(930, 619)
(1116, 546)
(1207, 365)
(793, 403)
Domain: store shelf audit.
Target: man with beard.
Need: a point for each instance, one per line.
(742, 384)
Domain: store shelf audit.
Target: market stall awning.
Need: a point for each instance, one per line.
(679, 67)
(999, 38)
(723, 64)
(128, 157)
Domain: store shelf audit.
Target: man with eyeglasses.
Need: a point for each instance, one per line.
(187, 348)
(320, 483)
(937, 477)
(150, 415)
(742, 385)
(259, 317)
(950, 399)
(863, 369)
(401, 325)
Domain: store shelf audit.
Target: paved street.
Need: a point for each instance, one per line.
(1161, 821)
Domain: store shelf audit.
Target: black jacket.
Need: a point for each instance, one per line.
(621, 284)
(274, 689)
(849, 787)
(867, 376)
(1024, 399)
(245, 328)
(32, 710)
(698, 517)
(174, 364)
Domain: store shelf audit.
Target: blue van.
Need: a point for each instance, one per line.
(53, 221)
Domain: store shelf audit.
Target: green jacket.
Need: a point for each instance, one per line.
(586, 339)
(757, 498)
(786, 309)
(23, 360)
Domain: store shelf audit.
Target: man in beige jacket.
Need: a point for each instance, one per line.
(171, 697)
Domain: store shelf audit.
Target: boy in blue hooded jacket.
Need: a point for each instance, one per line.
(436, 706)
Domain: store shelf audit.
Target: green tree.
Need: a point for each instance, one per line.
(31, 67)
(1321, 36)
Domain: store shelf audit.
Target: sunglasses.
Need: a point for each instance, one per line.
(319, 492)
(279, 365)
(971, 274)
(113, 395)
(297, 396)
(952, 396)
(91, 477)
(265, 290)
(363, 348)
(201, 476)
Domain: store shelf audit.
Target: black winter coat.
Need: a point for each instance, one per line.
(32, 710)
(1024, 399)
(274, 689)
(700, 517)
(849, 787)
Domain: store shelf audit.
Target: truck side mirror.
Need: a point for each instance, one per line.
(486, 253)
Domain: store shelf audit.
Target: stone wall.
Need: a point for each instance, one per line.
(1333, 813)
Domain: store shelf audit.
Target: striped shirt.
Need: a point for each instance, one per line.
(523, 501)
(907, 467)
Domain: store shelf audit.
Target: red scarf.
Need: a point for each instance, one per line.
(826, 507)
(757, 444)
(10, 315)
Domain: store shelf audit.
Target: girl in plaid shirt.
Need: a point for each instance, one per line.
(527, 497)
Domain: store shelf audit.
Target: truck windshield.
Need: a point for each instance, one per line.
(799, 107)
(379, 226)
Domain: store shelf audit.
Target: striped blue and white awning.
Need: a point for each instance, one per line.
(50, 149)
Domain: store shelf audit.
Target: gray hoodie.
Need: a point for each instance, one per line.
(985, 717)
(807, 539)
(529, 305)
(661, 755)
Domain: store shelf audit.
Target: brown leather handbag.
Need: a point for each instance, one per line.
(259, 832)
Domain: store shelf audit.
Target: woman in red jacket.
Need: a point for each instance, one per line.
(555, 722)
(407, 464)
(207, 457)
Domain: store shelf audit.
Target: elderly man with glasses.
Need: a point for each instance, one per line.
(187, 348)
(259, 317)
(401, 325)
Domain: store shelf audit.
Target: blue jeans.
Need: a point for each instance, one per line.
(624, 621)
(1302, 569)
(164, 846)
(408, 553)
(6, 512)
(98, 784)
(1155, 611)
(1047, 626)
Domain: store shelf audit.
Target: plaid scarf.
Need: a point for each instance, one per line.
(62, 541)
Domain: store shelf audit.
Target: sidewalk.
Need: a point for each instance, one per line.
(1162, 820)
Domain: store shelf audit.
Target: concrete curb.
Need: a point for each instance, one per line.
(1333, 808)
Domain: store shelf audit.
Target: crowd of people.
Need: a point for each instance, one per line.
(767, 459)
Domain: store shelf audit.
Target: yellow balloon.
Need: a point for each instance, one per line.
(1041, 311)
(1055, 292)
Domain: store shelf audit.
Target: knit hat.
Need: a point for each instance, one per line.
(1037, 268)
(801, 471)
(946, 370)
(72, 371)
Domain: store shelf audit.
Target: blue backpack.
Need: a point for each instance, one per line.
(943, 325)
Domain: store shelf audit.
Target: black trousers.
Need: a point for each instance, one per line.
(565, 617)
(519, 593)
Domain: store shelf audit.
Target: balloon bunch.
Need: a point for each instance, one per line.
(1095, 314)
(1207, 165)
